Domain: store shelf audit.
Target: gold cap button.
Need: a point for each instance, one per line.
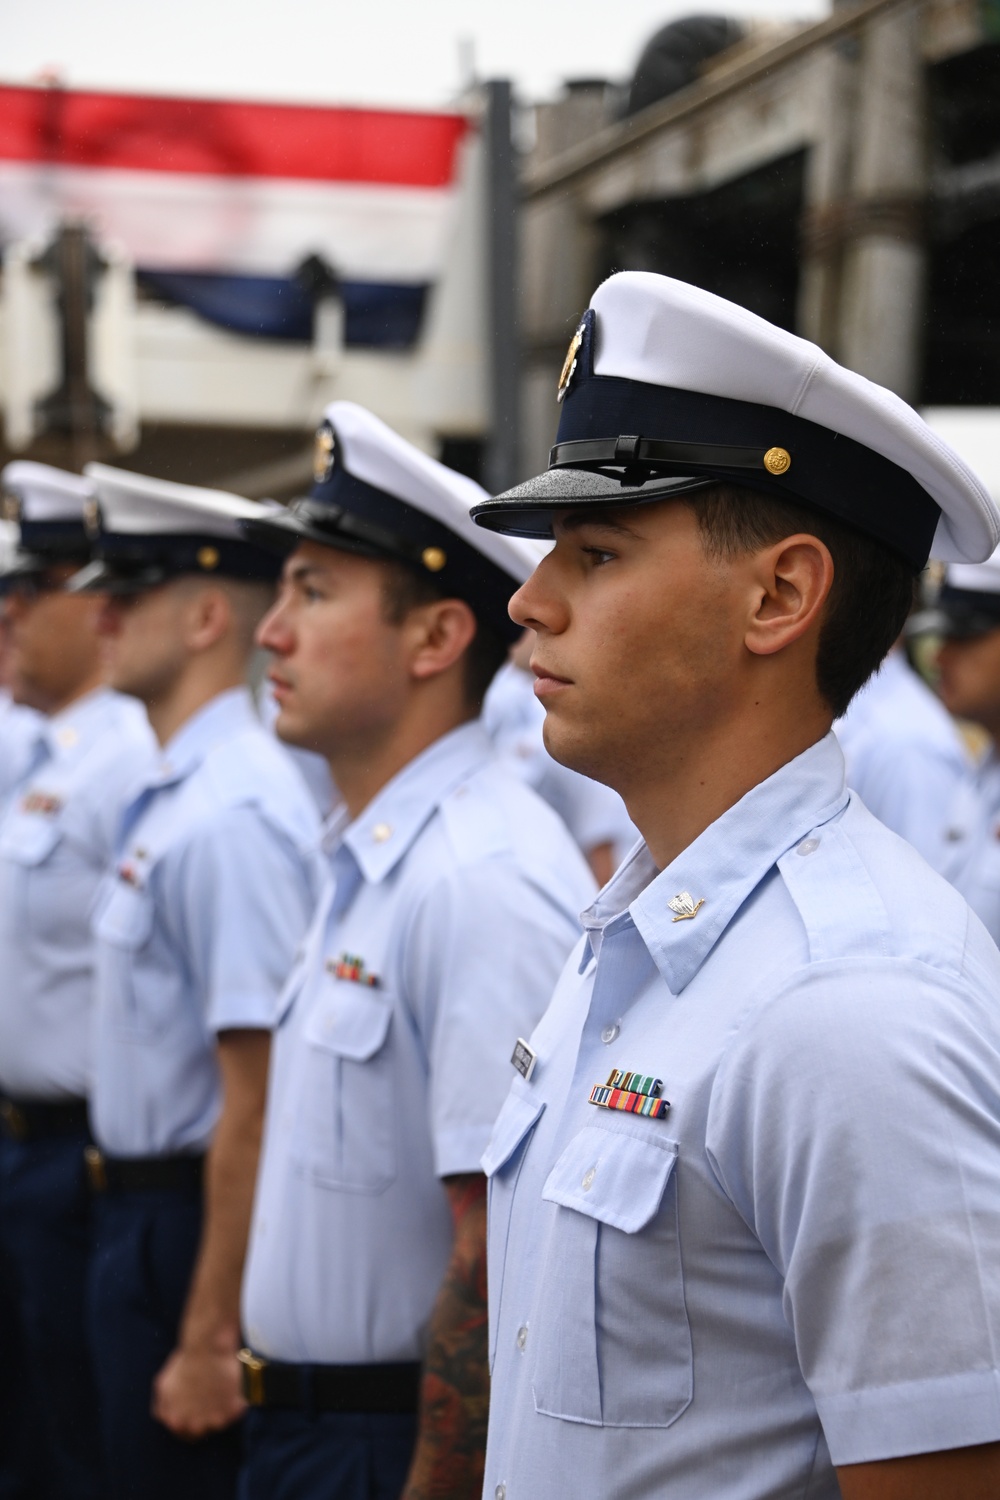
(208, 557)
(777, 460)
(433, 559)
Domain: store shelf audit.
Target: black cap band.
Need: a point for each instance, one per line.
(131, 563)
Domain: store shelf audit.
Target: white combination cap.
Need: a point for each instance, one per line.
(49, 507)
(378, 495)
(145, 530)
(668, 389)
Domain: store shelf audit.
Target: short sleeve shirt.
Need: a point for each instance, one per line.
(57, 837)
(970, 833)
(796, 1263)
(453, 902)
(197, 925)
(905, 756)
(20, 731)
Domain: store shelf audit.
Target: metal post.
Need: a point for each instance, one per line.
(503, 452)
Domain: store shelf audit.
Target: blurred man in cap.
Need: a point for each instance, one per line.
(196, 930)
(18, 723)
(744, 1221)
(967, 618)
(452, 904)
(57, 836)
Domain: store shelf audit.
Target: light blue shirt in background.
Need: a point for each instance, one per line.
(19, 731)
(453, 903)
(57, 837)
(197, 925)
(799, 1265)
(970, 829)
(905, 756)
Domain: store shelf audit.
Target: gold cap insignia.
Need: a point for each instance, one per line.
(777, 460)
(10, 508)
(207, 558)
(433, 559)
(92, 517)
(324, 453)
(569, 363)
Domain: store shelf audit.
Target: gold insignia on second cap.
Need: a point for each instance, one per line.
(92, 518)
(433, 559)
(324, 452)
(777, 460)
(10, 508)
(207, 558)
(569, 364)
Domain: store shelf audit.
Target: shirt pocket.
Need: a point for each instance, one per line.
(345, 1125)
(502, 1162)
(612, 1343)
(123, 926)
(27, 844)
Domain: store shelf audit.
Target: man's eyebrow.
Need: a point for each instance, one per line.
(297, 572)
(604, 520)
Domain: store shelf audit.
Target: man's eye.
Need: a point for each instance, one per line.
(599, 555)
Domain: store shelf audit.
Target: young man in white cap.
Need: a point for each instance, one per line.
(196, 930)
(966, 615)
(57, 836)
(18, 724)
(453, 902)
(744, 1223)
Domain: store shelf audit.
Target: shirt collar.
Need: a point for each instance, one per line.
(722, 867)
(224, 716)
(69, 732)
(383, 833)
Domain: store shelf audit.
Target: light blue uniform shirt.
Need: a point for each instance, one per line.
(197, 925)
(57, 837)
(799, 1265)
(971, 839)
(514, 719)
(20, 729)
(456, 893)
(905, 757)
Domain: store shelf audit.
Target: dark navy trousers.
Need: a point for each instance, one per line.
(45, 1247)
(293, 1455)
(146, 1243)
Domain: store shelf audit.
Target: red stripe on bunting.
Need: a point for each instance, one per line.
(222, 137)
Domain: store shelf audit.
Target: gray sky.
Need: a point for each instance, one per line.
(388, 52)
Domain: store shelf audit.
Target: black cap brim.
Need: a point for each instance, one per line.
(282, 531)
(952, 624)
(103, 577)
(528, 508)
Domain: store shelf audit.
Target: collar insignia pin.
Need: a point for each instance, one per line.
(685, 906)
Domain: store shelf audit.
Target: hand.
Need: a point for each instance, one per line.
(198, 1391)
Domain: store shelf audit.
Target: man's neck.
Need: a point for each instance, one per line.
(83, 689)
(360, 773)
(673, 807)
(191, 693)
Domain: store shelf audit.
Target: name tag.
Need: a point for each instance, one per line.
(524, 1059)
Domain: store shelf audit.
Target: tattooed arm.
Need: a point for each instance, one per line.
(454, 1402)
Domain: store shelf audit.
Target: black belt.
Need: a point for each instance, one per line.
(346, 1388)
(37, 1119)
(143, 1174)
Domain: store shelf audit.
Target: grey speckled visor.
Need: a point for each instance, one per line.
(527, 509)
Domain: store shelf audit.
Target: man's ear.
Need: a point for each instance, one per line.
(439, 634)
(209, 616)
(791, 584)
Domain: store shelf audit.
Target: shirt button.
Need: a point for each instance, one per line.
(610, 1033)
(522, 1336)
(500, 1493)
(588, 1179)
(808, 846)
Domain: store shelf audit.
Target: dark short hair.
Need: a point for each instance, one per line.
(404, 589)
(872, 591)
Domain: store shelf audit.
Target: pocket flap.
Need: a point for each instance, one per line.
(612, 1176)
(512, 1125)
(125, 916)
(28, 839)
(351, 1024)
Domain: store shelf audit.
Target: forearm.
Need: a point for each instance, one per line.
(212, 1312)
(451, 1440)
